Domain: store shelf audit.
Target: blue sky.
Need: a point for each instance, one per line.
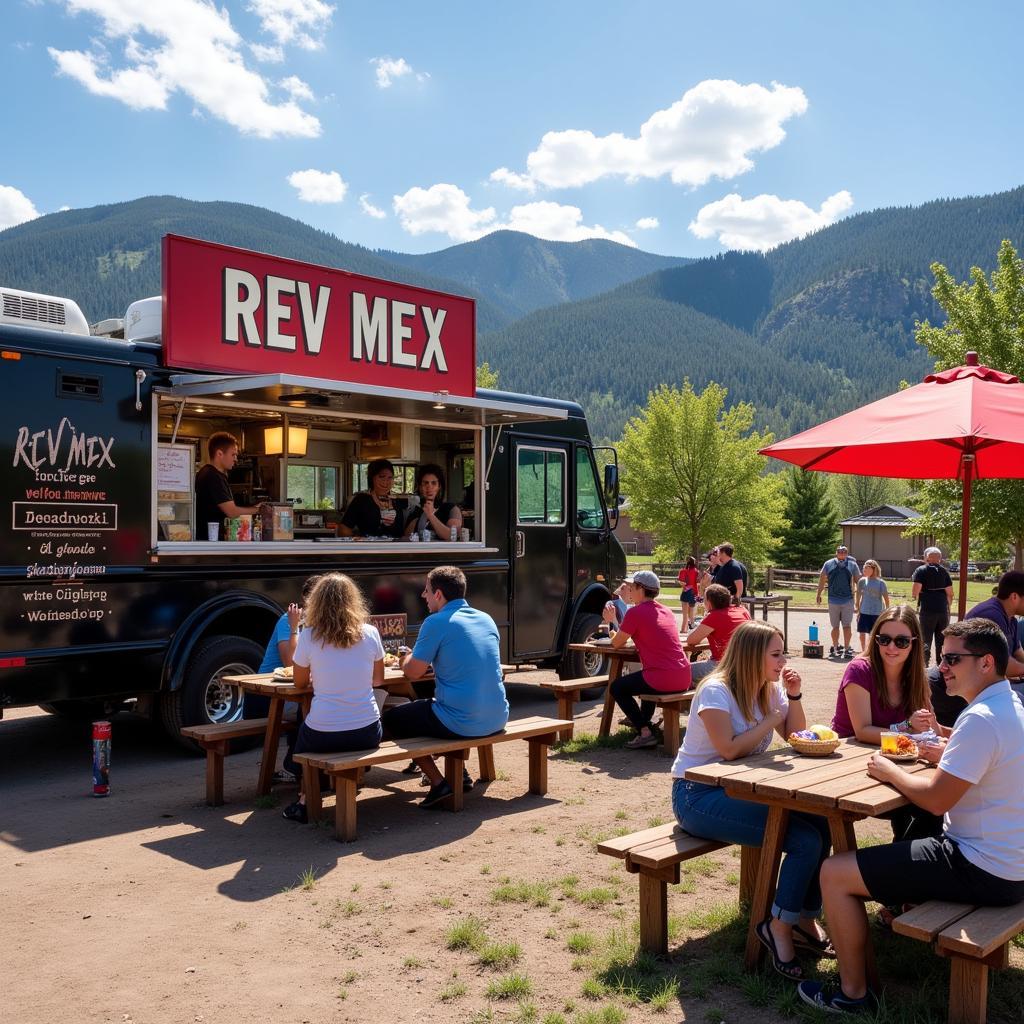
(681, 128)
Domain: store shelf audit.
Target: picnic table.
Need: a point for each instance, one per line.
(836, 787)
(766, 601)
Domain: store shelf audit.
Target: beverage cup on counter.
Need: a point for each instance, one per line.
(464, 536)
(213, 531)
(414, 537)
(427, 536)
(387, 516)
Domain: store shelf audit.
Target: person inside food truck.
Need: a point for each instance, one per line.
(372, 513)
(214, 500)
(436, 515)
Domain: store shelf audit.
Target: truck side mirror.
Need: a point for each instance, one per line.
(611, 485)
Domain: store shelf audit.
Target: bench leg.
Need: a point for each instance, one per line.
(454, 766)
(311, 789)
(750, 857)
(215, 772)
(968, 991)
(539, 763)
(566, 710)
(653, 915)
(767, 876)
(486, 756)
(670, 728)
(345, 805)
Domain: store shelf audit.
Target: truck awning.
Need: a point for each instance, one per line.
(287, 392)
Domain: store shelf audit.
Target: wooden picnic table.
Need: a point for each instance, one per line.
(766, 601)
(836, 787)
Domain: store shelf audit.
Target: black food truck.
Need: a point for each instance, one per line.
(111, 594)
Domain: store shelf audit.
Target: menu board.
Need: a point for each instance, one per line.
(174, 482)
(392, 629)
(174, 468)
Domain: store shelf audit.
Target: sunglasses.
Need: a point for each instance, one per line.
(952, 660)
(902, 642)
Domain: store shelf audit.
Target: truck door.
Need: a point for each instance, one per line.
(591, 536)
(540, 544)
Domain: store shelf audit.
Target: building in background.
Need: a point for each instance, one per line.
(878, 533)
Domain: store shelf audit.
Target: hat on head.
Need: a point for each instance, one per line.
(644, 578)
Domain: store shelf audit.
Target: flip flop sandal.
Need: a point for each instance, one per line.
(790, 969)
(810, 942)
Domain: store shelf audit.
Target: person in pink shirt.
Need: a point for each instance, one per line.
(666, 669)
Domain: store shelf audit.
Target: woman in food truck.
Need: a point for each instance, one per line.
(436, 515)
(372, 513)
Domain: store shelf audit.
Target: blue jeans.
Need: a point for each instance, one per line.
(708, 811)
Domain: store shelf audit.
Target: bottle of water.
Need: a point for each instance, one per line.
(812, 632)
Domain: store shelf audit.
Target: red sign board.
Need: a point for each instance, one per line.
(233, 311)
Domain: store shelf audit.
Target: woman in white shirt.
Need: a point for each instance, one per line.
(341, 655)
(737, 708)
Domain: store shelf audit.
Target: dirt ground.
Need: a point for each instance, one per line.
(151, 907)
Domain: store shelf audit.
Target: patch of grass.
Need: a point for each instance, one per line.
(703, 867)
(551, 933)
(512, 986)
(527, 1013)
(502, 776)
(606, 1015)
(266, 802)
(714, 1016)
(573, 801)
(663, 994)
(655, 821)
(538, 830)
(239, 926)
(499, 955)
(355, 888)
(385, 885)
(621, 815)
(560, 841)
(466, 934)
(444, 902)
(485, 869)
(568, 883)
(592, 989)
(596, 897)
(579, 963)
(484, 1016)
(350, 908)
(553, 1018)
(581, 942)
(453, 990)
(349, 977)
(342, 993)
(411, 963)
(587, 742)
(536, 893)
(713, 918)
(308, 879)
(732, 878)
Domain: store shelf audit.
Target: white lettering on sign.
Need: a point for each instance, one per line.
(243, 297)
(81, 450)
(380, 335)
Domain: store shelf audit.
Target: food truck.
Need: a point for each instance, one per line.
(111, 594)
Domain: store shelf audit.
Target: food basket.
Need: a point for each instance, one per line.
(813, 748)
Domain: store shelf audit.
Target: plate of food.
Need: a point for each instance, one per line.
(390, 660)
(284, 674)
(899, 747)
(814, 741)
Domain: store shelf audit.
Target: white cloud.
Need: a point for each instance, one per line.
(369, 209)
(267, 54)
(765, 220)
(708, 133)
(318, 186)
(293, 22)
(522, 182)
(647, 223)
(15, 207)
(388, 69)
(296, 88)
(190, 47)
(447, 210)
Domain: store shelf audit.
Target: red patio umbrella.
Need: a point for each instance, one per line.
(966, 423)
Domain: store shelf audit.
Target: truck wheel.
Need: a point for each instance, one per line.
(576, 664)
(204, 698)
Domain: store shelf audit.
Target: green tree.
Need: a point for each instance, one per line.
(485, 376)
(813, 527)
(694, 477)
(852, 493)
(987, 317)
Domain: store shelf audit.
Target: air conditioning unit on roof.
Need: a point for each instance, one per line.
(50, 312)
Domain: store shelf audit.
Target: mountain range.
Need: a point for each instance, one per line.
(810, 329)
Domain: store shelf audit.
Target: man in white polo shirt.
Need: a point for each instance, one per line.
(979, 858)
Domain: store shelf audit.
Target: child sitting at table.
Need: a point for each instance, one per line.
(751, 695)
(342, 655)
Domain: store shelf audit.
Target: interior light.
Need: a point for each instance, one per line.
(273, 438)
(199, 408)
(229, 394)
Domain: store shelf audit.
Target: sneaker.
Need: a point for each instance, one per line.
(833, 652)
(281, 777)
(296, 812)
(832, 1000)
(437, 793)
(642, 742)
(467, 781)
(849, 652)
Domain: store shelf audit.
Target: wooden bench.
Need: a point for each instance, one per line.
(568, 692)
(345, 768)
(216, 741)
(974, 938)
(655, 855)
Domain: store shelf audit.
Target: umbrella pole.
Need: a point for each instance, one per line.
(967, 461)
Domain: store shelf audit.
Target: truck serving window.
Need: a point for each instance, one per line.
(540, 486)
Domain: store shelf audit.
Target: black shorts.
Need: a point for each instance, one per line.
(417, 718)
(931, 869)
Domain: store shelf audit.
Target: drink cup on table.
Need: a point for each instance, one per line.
(889, 742)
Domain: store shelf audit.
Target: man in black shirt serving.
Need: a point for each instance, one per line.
(214, 501)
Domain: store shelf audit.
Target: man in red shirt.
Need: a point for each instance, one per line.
(719, 623)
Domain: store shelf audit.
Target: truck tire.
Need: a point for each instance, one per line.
(204, 698)
(576, 664)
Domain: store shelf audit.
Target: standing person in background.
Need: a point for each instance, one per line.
(872, 599)
(932, 588)
(732, 574)
(688, 578)
(214, 500)
(840, 575)
(666, 668)
(718, 625)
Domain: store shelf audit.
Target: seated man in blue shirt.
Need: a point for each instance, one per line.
(461, 644)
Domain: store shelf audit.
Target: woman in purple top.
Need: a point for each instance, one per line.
(886, 690)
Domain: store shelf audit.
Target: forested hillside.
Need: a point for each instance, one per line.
(811, 329)
(520, 273)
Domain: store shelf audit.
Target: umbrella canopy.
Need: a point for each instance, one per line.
(966, 423)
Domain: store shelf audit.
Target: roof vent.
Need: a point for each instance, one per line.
(143, 319)
(28, 309)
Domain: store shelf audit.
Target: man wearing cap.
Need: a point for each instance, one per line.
(933, 590)
(840, 575)
(665, 667)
